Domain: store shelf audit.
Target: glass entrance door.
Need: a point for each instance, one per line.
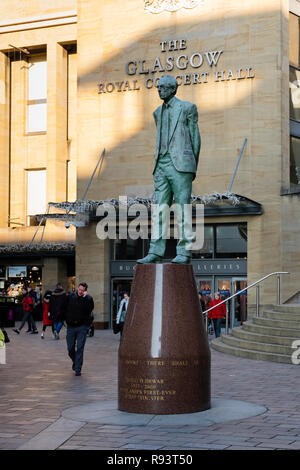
(237, 307)
(205, 287)
(239, 303)
(224, 287)
(118, 289)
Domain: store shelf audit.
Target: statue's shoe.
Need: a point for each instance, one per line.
(150, 258)
(181, 259)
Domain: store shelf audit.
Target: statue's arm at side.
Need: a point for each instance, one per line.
(194, 131)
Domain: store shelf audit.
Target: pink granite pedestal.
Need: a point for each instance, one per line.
(164, 356)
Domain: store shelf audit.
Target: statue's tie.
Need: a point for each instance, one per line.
(164, 130)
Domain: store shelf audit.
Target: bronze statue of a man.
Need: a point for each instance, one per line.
(176, 159)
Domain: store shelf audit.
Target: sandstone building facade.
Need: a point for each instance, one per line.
(80, 76)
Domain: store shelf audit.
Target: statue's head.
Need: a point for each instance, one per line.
(167, 87)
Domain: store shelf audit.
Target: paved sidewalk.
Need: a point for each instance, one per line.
(37, 385)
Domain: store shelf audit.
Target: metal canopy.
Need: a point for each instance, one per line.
(222, 207)
(81, 213)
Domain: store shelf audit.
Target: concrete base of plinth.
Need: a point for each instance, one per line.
(106, 412)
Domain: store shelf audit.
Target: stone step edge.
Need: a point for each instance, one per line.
(255, 343)
(277, 320)
(277, 312)
(266, 328)
(260, 336)
(248, 353)
(282, 306)
(280, 323)
(285, 309)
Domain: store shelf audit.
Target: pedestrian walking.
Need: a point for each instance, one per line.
(217, 313)
(78, 318)
(122, 312)
(47, 321)
(202, 302)
(29, 326)
(204, 307)
(27, 304)
(57, 308)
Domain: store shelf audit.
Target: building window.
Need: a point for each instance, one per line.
(220, 241)
(207, 251)
(295, 160)
(231, 241)
(294, 40)
(36, 193)
(295, 94)
(294, 54)
(37, 97)
(127, 249)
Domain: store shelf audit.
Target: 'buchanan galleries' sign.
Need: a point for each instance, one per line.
(174, 60)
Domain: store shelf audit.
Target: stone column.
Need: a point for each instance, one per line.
(54, 271)
(92, 267)
(57, 148)
(19, 159)
(4, 138)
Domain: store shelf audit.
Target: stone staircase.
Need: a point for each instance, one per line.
(267, 338)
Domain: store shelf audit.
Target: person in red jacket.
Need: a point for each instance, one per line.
(217, 313)
(46, 314)
(27, 303)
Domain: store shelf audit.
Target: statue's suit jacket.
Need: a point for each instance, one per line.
(184, 137)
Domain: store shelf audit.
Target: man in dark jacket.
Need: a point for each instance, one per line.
(78, 318)
(57, 308)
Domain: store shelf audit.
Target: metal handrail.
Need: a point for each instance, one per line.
(257, 295)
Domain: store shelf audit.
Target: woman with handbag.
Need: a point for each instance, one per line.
(122, 312)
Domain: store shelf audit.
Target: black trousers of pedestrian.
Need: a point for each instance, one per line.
(28, 317)
(45, 326)
(76, 337)
(121, 327)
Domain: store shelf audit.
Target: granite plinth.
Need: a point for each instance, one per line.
(164, 356)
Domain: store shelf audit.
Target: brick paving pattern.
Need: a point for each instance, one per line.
(37, 384)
